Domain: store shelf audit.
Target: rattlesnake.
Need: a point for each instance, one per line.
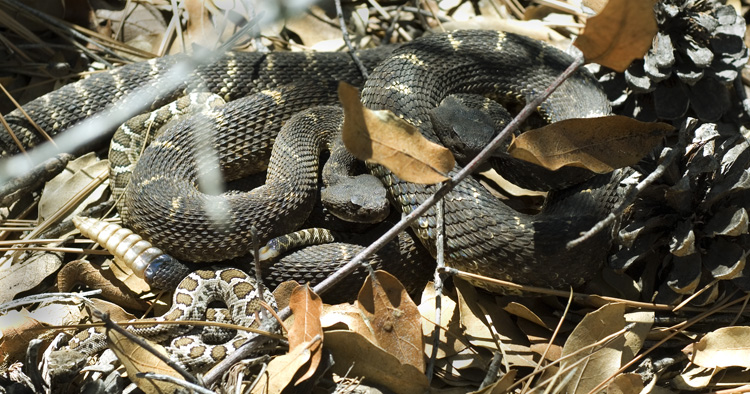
(483, 235)
(190, 301)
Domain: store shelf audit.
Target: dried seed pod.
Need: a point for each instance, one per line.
(159, 269)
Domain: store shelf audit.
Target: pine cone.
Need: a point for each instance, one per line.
(690, 228)
(689, 70)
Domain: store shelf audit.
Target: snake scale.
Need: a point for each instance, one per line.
(189, 346)
(483, 235)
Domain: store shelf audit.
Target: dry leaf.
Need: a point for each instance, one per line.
(382, 137)
(306, 307)
(312, 28)
(636, 335)
(15, 334)
(520, 310)
(596, 5)
(136, 359)
(598, 144)
(348, 315)
(393, 317)
(693, 378)
(487, 325)
(281, 370)
(725, 347)
(58, 313)
(595, 364)
(697, 379)
(200, 30)
(622, 32)
(28, 274)
(114, 311)
(625, 383)
(125, 274)
(283, 292)
(535, 310)
(83, 272)
(356, 356)
(78, 174)
(539, 339)
(450, 343)
(138, 24)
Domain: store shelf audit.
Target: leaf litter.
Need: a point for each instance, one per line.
(372, 343)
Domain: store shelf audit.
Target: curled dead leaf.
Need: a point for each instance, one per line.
(621, 32)
(725, 347)
(283, 292)
(65, 186)
(354, 355)
(83, 272)
(382, 137)
(349, 316)
(136, 359)
(307, 308)
(393, 317)
(595, 363)
(16, 330)
(281, 370)
(28, 274)
(385, 316)
(598, 144)
(626, 383)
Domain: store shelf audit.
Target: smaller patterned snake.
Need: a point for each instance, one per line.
(188, 346)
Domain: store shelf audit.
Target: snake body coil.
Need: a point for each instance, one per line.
(483, 235)
(190, 303)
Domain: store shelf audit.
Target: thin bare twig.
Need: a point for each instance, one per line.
(438, 284)
(345, 34)
(48, 297)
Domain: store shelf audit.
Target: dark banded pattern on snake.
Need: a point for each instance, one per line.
(484, 236)
(236, 75)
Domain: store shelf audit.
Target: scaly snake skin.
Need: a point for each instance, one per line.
(483, 235)
(190, 302)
